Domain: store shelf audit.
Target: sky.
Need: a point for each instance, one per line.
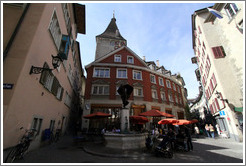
(159, 31)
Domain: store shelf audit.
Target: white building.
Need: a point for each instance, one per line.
(218, 46)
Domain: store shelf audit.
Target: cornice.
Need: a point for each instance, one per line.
(135, 67)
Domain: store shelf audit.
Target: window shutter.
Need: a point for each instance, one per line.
(44, 74)
(214, 80)
(218, 52)
(61, 95)
(217, 104)
(55, 86)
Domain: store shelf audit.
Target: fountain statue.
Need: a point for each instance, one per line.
(125, 139)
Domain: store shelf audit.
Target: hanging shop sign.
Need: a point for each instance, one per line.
(222, 113)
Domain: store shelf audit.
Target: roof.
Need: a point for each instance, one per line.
(112, 31)
(79, 14)
(115, 51)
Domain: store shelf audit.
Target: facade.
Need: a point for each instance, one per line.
(32, 33)
(116, 64)
(218, 47)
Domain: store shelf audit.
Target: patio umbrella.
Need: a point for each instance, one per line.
(182, 122)
(156, 113)
(138, 119)
(194, 121)
(168, 121)
(97, 115)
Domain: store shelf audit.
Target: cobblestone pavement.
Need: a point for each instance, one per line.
(66, 151)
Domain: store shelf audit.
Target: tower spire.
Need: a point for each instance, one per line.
(113, 14)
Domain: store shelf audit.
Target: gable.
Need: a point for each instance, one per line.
(124, 53)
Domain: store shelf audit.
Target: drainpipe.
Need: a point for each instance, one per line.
(5, 53)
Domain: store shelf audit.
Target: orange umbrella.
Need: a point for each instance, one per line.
(138, 119)
(97, 115)
(182, 122)
(194, 121)
(156, 113)
(168, 121)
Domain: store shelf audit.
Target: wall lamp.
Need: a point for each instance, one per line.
(56, 61)
(219, 97)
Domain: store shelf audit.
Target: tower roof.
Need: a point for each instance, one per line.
(112, 31)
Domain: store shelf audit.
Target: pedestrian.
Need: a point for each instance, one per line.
(196, 131)
(211, 130)
(218, 129)
(207, 130)
(172, 136)
(189, 140)
(103, 131)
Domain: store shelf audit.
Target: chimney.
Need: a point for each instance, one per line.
(157, 63)
(144, 58)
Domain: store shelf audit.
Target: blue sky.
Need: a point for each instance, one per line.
(159, 31)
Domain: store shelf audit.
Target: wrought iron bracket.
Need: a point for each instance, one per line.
(38, 70)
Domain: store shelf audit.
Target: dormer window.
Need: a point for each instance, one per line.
(130, 59)
(117, 58)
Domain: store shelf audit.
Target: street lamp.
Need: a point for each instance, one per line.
(56, 61)
(219, 96)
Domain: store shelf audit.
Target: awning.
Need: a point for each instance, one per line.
(239, 109)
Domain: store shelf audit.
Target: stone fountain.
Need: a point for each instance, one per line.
(125, 139)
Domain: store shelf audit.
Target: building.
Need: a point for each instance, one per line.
(218, 47)
(36, 98)
(116, 64)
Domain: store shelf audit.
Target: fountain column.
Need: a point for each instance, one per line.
(125, 125)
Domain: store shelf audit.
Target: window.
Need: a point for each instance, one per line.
(170, 97)
(66, 15)
(213, 81)
(130, 59)
(51, 83)
(199, 29)
(101, 72)
(117, 58)
(137, 75)
(174, 86)
(36, 124)
(52, 125)
(65, 43)
(154, 94)
(163, 96)
(55, 30)
(168, 83)
(231, 9)
(218, 52)
(68, 100)
(178, 88)
(161, 82)
(138, 91)
(152, 79)
(100, 89)
(176, 99)
(121, 73)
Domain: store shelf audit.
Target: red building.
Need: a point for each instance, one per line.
(116, 64)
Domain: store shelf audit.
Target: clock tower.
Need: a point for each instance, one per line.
(109, 40)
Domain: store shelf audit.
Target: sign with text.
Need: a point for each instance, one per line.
(8, 86)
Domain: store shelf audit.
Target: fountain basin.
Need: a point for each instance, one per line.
(125, 141)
